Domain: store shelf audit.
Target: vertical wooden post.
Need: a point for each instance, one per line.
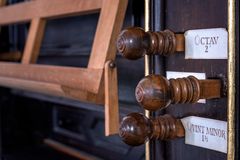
(111, 99)
(111, 18)
(34, 40)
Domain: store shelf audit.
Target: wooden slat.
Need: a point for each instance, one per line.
(69, 150)
(26, 11)
(51, 89)
(210, 88)
(97, 98)
(180, 42)
(111, 100)
(108, 28)
(34, 40)
(79, 78)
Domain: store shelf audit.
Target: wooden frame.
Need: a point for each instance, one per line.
(85, 84)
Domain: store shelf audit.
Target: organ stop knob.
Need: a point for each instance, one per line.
(136, 129)
(156, 92)
(134, 42)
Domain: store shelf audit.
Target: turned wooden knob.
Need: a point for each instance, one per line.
(134, 42)
(156, 92)
(136, 129)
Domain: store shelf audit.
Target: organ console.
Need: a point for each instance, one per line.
(136, 129)
(156, 92)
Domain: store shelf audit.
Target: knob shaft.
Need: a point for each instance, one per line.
(136, 129)
(134, 42)
(156, 92)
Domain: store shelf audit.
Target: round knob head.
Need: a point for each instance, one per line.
(153, 92)
(132, 44)
(135, 129)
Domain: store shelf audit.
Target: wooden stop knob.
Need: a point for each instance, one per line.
(134, 42)
(156, 92)
(136, 129)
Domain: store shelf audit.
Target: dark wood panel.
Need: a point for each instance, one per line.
(180, 17)
(186, 14)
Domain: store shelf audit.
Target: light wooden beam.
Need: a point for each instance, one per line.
(51, 89)
(85, 79)
(107, 32)
(111, 99)
(34, 41)
(26, 11)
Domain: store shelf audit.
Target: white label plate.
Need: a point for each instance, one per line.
(206, 43)
(206, 133)
(173, 74)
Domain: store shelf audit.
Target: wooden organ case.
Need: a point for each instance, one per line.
(64, 50)
(67, 95)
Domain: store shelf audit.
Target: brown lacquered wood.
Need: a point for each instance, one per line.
(210, 89)
(133, 43)
(136, 129)
(156, 92)
(180, 42)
